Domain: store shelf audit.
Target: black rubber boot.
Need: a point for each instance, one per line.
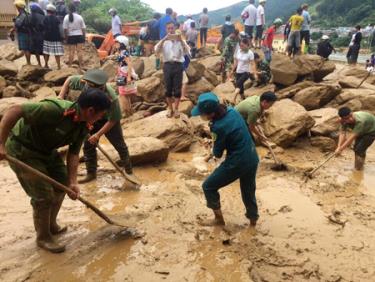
(44, 237)
(88, 178)
(54, 227)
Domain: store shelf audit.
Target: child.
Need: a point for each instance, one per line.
(264, 71)
(126, 86)
(192, 38)
(268, 39)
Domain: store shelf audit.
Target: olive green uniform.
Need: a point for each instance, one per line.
(45, 126)
(114, 135)
(250, 109)
(364, 128)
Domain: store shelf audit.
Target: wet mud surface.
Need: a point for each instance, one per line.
(319, 230)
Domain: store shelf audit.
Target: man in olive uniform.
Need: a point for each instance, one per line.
(252, 108)
(362, 127)
(35, 131)
(109, 126)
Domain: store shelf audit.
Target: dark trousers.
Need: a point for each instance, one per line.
(116, 138)
(203, 35)
(305, 35)
(362, 144)
(352, 54)
(241, 79)
(225, 175)
(249, 30)
(173, 75)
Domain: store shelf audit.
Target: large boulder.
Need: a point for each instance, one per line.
(357, 72)
(290, 91)
(149, 66)
(8, 68)
(11, 91)
(314, 66)
(326, 121)
(357, 99)
(44, 93)
(354, 82)
(325, 144)
(257, 91)
(201, 86)
(212, 63)
(58, 77)
(317, 96)
(225, 91)
(284, 71)
(3, 84)
(195, 71)
(6, 103)
(204, 52)
(10, 52)
(31, 73)
(110, 68)
(211, 77)
(147, 150)
(138, 65)
(91, 59)
(285, 121)
(150, 89)
(176, 133)
(186, 107)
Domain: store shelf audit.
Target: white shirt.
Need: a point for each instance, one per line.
(74, 28)
(260, 15)
(252, 11)
(244, 61)
(173, 51)
(187, 24)
(116, 25)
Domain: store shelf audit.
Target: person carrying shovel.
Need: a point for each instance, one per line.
(362, 127)
(109, 126)
(32, 133)
(229, 132)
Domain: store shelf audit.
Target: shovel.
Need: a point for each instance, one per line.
(126, 176)
(278, 166)
(310, 174)
(62, 187)
(364, 79)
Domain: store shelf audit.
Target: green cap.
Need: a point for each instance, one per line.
(96, 76)
(207, 104)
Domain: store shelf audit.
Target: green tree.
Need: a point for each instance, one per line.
(316, 35)
(95, 12)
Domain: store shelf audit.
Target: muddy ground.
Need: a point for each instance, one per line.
(322, 230)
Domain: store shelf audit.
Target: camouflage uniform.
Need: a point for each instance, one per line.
(230, 46)
(45, 126)
(264, 71)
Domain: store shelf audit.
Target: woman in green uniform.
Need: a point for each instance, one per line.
(230, 133)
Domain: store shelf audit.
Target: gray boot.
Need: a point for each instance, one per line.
(44, 239)
(359, 162)
(54, 227)
(88, 178)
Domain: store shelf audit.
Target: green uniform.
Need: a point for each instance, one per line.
(250, 109)
(264, 72)
(114, 113)
(230, 46)
(45, 126)
(364, 128)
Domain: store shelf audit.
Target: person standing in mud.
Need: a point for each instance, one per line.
(362, 127)
(109, 126)
(32, 133)
(252, 108)
(229, 133)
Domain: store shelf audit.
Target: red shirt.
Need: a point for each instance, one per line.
(268, 40)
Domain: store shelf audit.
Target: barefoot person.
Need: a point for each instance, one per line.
(173, 49)
(32, 133)
(252, 108)
(229, 133)
(362, 127)
(109, 125)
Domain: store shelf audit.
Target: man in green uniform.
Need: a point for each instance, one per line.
(109, 126)
(35, 131)
(252, 108)
(227, 56)
(229, 133)
(362, 127)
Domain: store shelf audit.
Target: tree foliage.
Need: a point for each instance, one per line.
(95, 12)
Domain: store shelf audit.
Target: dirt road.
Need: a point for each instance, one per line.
(322, 230)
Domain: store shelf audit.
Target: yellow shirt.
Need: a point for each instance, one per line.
(296, 22)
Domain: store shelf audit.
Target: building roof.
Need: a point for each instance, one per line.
(7, 7)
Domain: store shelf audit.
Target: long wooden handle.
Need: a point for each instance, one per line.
(322, 164)
(367, 76)
(58, 185)
(272, 152)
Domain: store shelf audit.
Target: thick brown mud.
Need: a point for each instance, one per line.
(320, 230)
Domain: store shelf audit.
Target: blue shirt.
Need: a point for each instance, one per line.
(163, 25)
(230, 133)
(306, 20)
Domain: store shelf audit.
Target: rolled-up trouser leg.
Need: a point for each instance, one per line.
(222, 176)
(116, 137)
(248, 188)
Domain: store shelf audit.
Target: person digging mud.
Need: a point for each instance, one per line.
(36, 131)
(252, 108)
(362, 126)
(109, 126)
(229, 132)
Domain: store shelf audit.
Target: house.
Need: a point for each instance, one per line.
(7, 13)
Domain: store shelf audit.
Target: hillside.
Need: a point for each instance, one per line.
(333, 13)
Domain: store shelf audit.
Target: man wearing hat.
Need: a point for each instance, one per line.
(325, 47)
(229, 132)
(109, 126)
(32, 133)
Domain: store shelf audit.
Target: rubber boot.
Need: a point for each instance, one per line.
(88, 178)
(359, 162)
(54, 227)
(44, 237)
